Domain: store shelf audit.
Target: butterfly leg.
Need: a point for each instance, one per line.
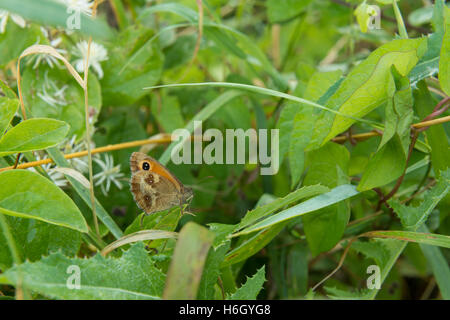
(141, 221)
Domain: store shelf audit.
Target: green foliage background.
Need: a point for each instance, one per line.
(311, 69)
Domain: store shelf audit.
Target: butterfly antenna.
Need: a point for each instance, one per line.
(204, 179)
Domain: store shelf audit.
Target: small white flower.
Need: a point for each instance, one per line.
(109, 173)
(57, 177)
(47, 58)
(71, 146)
(51, 94)
(83, 6)
(15, 18)
(98, 53)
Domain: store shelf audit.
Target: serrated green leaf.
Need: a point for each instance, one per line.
(132, 276)
(30, 195)
(413, 217)
(251, 288)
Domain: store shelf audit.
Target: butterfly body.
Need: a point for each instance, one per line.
(153, 187)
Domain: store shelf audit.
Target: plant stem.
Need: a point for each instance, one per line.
(400, 23)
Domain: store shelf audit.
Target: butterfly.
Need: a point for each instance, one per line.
(153, 187)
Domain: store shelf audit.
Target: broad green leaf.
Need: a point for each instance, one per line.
(8, 108)
(133, 276)
(124, 86)
(439, 265)
(364, 88)
(251, 288)
(30, 195)
(186, 268)
(444, 61)
(104, 216)
(271, 207)
(419, 237)
(334, 196)
(325, 227)
(33, 134)
(35, 239)
(49, 12)
(385, 166)
(283, 10)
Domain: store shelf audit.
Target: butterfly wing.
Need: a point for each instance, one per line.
(155, 189)
(153, 192)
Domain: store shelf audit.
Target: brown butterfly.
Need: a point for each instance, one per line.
(153, 187)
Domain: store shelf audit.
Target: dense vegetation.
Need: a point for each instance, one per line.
(358, 91)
